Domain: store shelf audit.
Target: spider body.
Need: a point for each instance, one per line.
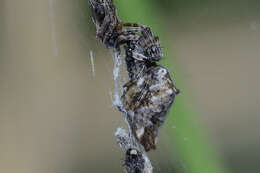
(147, 99)
(142, 44)
(109, 28)
(148, 95)
(146, 48)
(105, 18)
(136, 67)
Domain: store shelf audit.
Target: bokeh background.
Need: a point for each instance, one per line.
(56, 115)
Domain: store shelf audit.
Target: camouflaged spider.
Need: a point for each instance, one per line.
(150, 92)
(109, 28)
(147, 98)
(146, 48)
(142, 44)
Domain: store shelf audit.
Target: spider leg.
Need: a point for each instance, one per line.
(107, 30)
(104, 26)
(145, 30)
(133, 28)
(125, 36)
(130, 30)
(147, 38)
(138, 56)
(134, 25)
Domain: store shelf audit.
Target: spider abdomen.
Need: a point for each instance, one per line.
(148, 99)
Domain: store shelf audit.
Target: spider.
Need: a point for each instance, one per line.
(150, 92)
(109, 28)
(142, 44)
(146, 48)
(134, 161)
(147, 99)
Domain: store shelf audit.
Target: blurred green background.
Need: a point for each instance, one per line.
(56, 116)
